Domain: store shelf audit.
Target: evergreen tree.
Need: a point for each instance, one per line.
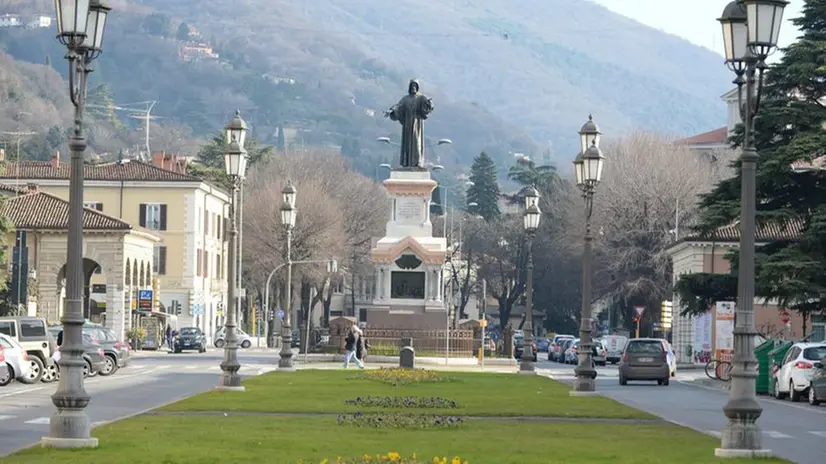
(791, 204)
(280, 143)
(485, 189)
(528, 174)
(183, 32)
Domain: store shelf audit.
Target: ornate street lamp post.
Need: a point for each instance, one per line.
(750, 32)
(80, 26)
(235, 161)
(531, 222)
(588, 167)
(288, 214)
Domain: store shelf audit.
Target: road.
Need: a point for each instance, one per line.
(794, 431)
(148, 382)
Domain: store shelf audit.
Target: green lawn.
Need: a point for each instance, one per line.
(477, 394)
(230, 440)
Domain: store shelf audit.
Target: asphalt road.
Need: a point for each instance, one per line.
(148, 382)
(794, 431)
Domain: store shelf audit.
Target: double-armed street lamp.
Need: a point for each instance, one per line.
(80, 27)
(531, 223)
(750, 32)
(235, 162)
(588, 169)
(288, 215)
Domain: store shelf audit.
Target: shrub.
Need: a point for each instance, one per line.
(398, 421)
(430, 402)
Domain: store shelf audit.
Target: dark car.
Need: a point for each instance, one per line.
(189, 338)
(116, 352)
(517, 350)
(644, 359)
(92, 354)
(817, 391)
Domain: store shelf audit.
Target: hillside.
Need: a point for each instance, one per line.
(321, 71)
(541, 64)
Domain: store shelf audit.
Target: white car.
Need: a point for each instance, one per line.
(794, 376)
(17, 360)
(243, 339)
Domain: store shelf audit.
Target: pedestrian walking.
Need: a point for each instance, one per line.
(351, 344)
(361, 347)
(168, 336)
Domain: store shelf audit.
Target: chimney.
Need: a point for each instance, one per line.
(31, 187)
(158, 159)
(56, 159)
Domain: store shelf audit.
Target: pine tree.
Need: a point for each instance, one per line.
(485, 189)
(792, 203)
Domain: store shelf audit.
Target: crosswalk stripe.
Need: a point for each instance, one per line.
(819, 434)
(773, 434)
(39, 421)
(6, 417)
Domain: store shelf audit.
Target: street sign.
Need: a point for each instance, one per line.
(639, 310)
(145, 300)
(785, 317)
(281, 314)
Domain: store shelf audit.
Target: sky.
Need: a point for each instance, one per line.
(693, 20)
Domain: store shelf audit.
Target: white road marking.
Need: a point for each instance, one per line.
(138, 366)
(773, 434)
(165, 366)
(214, 368)
(819, 434)
(39, 421)
(2, 418)
(190, 367)
(715, 433)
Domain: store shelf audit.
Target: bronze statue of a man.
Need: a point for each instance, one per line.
(410, 112)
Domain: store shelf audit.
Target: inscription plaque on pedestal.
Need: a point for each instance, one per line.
(409, 209)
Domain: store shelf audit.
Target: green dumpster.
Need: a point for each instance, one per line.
(775, 357)
(764, 370)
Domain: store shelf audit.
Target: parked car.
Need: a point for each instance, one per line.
(519, 348)
(17, 362)
(599, 358)
(189, 338)
(92, 354)
(554, 353)
(571, 352)
(564, 347)
(543, 345)
(243, 339)
(794, 375)
(817, 390)
(614, 346)
(4, 368)
(31, 334)
(644, 359)
(116, 353)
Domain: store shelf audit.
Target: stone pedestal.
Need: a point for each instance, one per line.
(408, 260)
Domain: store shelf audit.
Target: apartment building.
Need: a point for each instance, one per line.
(187, 214)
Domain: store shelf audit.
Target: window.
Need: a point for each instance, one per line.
(206, 263)
(199, 265)
(159, 260)
(206, 223)
(33, 328)
(815, 353)
(7, 327)
(219, 230)
(93, 205)
(153, 216)
(407, 285)
(649, 346)
(215, 225)
(99, 288)
(219, 267)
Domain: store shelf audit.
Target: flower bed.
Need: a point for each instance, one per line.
(398, 421)
(399, 376)
(431, 402)
(389, 458)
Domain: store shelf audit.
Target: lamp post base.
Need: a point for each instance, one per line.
(230, 381)
(742, 453)
(527, 368)
(69, 429)
(584, 384)
(231, 389)
(580, 394)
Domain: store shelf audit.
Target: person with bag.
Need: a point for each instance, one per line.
(351, 344)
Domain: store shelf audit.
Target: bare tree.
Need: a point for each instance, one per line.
(649, 186)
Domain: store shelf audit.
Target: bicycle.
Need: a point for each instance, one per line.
(718, 370)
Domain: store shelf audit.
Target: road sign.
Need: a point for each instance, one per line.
(785, 317)
(639, 310)
(145, 300)
(281, 314)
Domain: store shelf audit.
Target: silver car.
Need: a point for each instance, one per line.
(243, 339)
(644, 359)
(17, 361)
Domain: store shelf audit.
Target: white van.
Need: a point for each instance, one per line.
(614, 346)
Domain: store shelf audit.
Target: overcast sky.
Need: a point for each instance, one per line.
(694, 20)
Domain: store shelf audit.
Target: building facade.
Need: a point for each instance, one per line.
(187, 214)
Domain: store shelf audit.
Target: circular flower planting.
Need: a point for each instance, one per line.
(399, 376)
(398, 421)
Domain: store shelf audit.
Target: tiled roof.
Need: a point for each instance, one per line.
(765, 233)
(816, 164)
(38, 210)
(126, 170)
(717, 136)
